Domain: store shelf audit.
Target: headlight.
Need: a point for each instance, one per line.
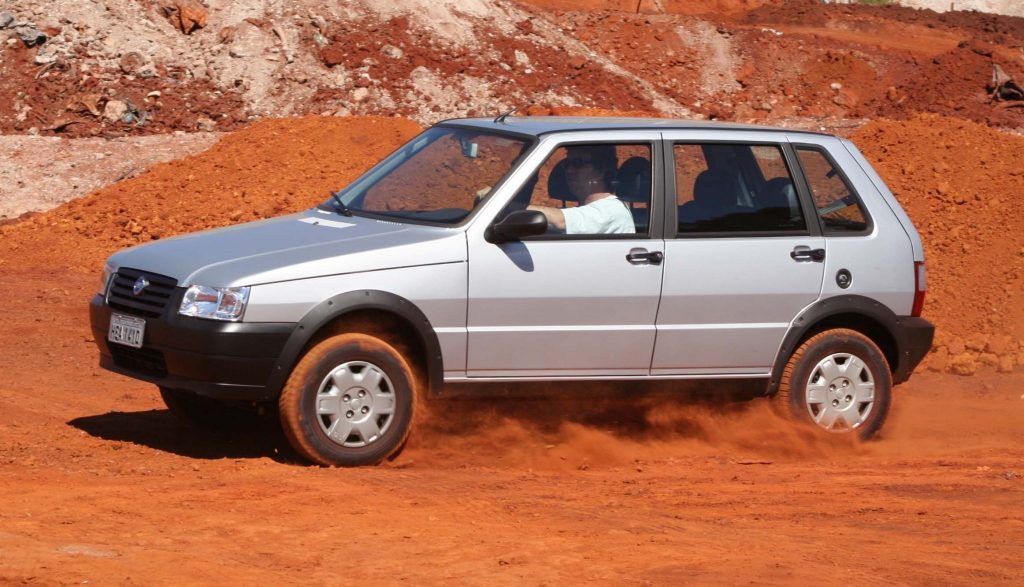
(105, 278)
(214, 303)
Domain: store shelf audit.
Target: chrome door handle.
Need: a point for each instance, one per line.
(640, 255)
(803, 253)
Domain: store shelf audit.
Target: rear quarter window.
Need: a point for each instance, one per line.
(838, 206)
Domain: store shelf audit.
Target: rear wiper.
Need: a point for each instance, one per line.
(340, 206)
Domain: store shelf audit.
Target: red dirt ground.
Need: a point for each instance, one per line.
(102, 485)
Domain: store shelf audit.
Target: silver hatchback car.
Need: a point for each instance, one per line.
(537, 249)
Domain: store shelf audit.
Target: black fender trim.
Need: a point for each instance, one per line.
(911, 335)
(352, 301)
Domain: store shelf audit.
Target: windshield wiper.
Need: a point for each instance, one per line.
(340, 206)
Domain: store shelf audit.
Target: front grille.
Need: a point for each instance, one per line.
(143, 361)
(150, 302)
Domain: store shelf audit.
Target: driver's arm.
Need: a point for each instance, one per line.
(555, 217)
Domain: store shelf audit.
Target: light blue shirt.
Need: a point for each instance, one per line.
(605, 216)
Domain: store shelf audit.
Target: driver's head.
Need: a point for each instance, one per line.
(590, 169)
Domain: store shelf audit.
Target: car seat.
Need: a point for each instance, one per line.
(633, 186)
(715, 193)
(779, 200)
(558, 184)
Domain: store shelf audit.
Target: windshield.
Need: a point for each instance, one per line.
(439, 177)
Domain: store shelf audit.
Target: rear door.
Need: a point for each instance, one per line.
(743, 255)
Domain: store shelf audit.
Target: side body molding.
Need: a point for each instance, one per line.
(910, 338)
(352, 301)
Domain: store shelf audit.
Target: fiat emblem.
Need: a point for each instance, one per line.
(140, 284)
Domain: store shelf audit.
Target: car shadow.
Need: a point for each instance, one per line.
(245, 436)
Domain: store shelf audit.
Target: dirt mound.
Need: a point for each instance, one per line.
(960, 182)
(729, 59)
(271, 168)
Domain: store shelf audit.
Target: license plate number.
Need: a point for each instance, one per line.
(126, 330)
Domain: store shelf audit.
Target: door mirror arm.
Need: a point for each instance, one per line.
(516, 225)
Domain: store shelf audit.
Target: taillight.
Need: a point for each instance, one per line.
(920, 287)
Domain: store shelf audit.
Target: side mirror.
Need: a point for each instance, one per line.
(517, 225)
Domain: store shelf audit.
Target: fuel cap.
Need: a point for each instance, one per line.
(844, 278)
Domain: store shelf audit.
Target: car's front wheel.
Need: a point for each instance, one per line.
(349, 401)
(839, 380)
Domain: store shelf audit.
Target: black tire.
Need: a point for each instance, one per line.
(830, 398)
(196, 410)
(335, 434)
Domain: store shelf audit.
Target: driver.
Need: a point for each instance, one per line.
(588, 172)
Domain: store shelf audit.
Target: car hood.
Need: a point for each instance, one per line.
(309, 244)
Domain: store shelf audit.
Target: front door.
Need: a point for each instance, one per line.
(582, 299)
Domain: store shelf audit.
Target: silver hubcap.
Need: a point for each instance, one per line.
(840, 392)
(355, 404)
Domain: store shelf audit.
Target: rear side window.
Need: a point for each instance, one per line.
(727, 188)
(838, 206)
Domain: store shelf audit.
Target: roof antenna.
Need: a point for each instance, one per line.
(500, 119)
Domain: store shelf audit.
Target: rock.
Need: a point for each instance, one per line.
(363, 82)
(836, 86)
(522, 58)
(1001, 345)
(332, 56)
(6, 19)
(205, 123)
(391, 51)
(937, 361)
(964, 364)
(577, 62)
(30, 35)
(1006, 364)
(154, 94)
(91, 102)
(360, 94)
(976, 342)
(988, 359)
(188, 15)
(114, 111)
(226, 35)
(132, 62)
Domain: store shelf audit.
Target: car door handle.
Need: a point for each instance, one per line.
(642, 255)
(803, 253)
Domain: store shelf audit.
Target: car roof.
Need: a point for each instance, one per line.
(540, 125)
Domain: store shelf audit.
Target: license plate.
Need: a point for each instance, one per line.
(126, 330)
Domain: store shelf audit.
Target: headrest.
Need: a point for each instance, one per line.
(633, 182)
(558, 184)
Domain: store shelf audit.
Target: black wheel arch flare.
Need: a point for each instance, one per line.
(875, 320)
(338, 306)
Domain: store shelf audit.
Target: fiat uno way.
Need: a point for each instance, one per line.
(473, 254)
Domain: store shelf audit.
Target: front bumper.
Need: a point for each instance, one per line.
(223, 360)
(914, 340)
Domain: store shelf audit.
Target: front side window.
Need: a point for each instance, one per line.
(840, 210)
(439, 177)
(591, 189)
(726, 188)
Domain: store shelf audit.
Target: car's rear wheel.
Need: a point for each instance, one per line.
(349, 401)
(838, 380)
